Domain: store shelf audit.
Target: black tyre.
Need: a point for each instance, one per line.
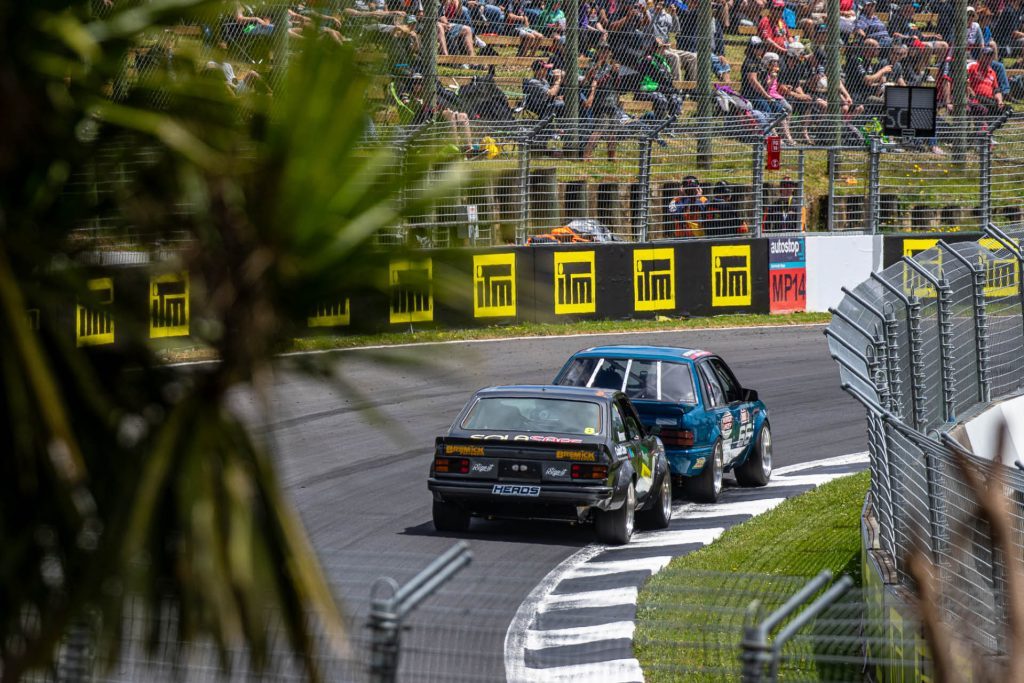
(449, 517)
(659, 513)
(615, 527)
(757, 469)
(706, 486)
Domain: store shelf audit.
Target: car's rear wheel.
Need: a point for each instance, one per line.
(450, 517)
(659, 513)
(706, 486)
(615, 527)
(757, 469)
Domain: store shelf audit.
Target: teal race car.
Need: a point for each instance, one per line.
(708, 422)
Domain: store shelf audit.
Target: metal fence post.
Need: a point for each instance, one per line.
(644, 177)
(913, 308)
(998, 235)
(980, 320)
(757, 169)
(943, 316)
(387, 613)
(384, 627)
(525, 148)
(873, 185)
(833, 162)
(984, 176)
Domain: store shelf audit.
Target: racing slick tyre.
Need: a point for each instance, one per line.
(449, 517)
(659, 513)
(615, 527)
(757, 469)
(706, 486)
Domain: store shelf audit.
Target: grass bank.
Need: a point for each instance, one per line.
(184, 351)
(690, 616)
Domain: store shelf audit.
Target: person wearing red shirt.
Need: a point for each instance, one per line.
(772, 28)
(982, 83)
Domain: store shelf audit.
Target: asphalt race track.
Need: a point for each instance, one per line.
(355, 462)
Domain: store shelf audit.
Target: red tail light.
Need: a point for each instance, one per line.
(589, 471)
(451, 465)
(676, 438)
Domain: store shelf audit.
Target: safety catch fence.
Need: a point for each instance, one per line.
(923, 345)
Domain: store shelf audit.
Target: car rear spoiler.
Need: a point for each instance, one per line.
(470, 447)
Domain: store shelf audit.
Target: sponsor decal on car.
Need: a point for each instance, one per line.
(515, 490)
(744, 416)
(665, 421)
(556, 472)
(481, 467)
(699, 462)
(586, 456)
(525, 437)
(455, 449)
(620, 450)
(726, 423)
(696, 353)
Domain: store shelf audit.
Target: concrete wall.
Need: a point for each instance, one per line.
(834, 261)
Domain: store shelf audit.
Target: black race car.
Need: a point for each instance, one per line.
(551, 452)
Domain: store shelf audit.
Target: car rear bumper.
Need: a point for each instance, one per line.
(688, 462)
(550, 499)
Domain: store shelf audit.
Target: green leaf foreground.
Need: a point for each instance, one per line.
(122, 480)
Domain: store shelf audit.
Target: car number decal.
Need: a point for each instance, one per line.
(515, 490)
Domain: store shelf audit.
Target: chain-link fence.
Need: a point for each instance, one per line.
(924, 344)
(638, 120)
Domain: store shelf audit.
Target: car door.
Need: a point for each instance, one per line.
(625, 443)
(641, 445)
(743, 424)
(717, 408)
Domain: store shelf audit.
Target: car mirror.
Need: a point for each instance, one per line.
(749, 395)
(654, 430)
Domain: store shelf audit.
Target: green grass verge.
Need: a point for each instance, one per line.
(183, 350)
(690, 616)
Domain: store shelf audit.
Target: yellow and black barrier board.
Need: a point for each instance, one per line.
(725, 277)
(169, 305)
(895, 247)
(94, 313)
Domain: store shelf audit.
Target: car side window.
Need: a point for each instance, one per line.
(618, 425)
(632, 424)
(730, 386)
(711, 383)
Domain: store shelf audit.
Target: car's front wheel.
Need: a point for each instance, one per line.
(706, 486)
(757, 469)
(450, 517)
(659, 513)
(615, 527)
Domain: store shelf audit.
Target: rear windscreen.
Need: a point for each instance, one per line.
(638, 378)
(517, 414)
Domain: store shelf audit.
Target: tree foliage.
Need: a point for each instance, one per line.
(122, 478)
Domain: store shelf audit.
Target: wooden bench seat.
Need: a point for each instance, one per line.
(752, 31)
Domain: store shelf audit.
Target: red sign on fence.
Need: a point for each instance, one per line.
(773, 155)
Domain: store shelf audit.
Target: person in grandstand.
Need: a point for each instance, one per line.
(725, 219)
(601, 102)
(517, 22)
(869, 29)
(784, 214)
(413, 110)
(665, 24)
(690, 210)
(541, 92)
(772, 28)
(910, 34)
(592, 30)
(983, 85)
(551, 21)
(450, 32)
(1008, 29)
(765, 95)
(866, 75)
(794, 74)
(488, 15)
(629, 38)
